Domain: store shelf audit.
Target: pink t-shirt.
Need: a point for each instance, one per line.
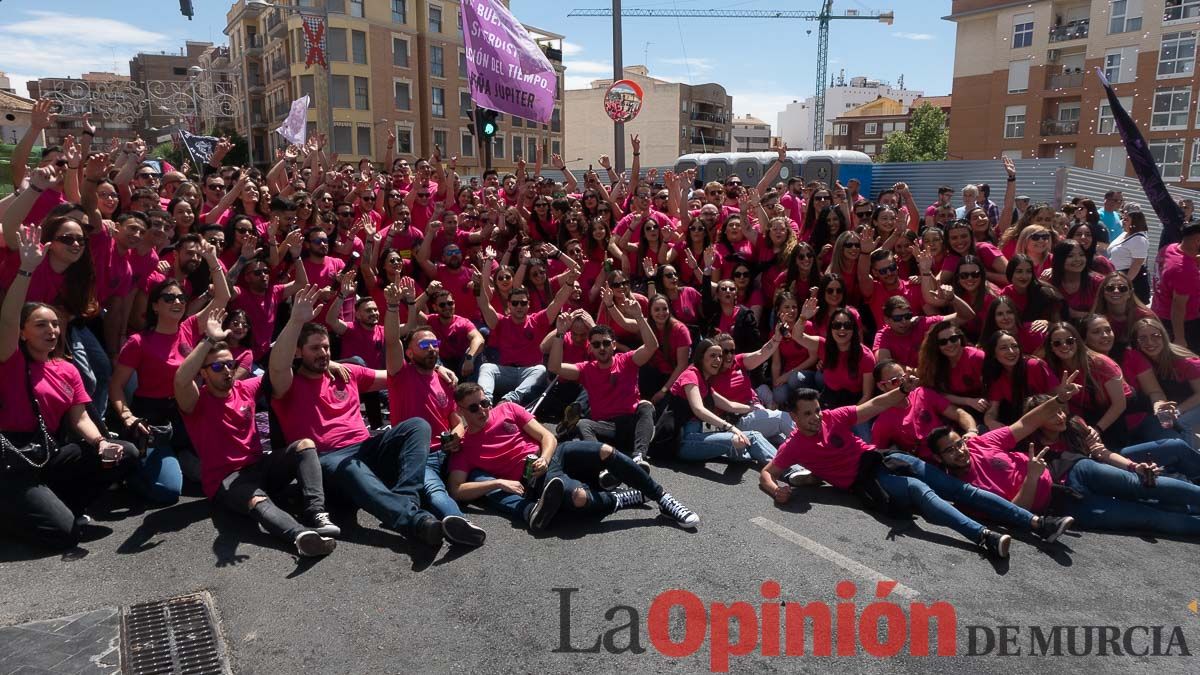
(412, 393)
(1135, 363)
(458, 282)
(156, 356)
(966, 377)
(792, 354)
(520, 342)
(45, 203)
(113, 275)
(575, 349)
(840, 378)
(1038, 380)
(364, 342)
(56, 384)
(455, 336)
(832, 454)
(404, 239)
(1178, 275)
(999, 469)
(906, 428)
(325, 409)
(323, 273)
(664, 357)
(1083, 298)
(880, 294)
(905, 349)
(613, 391)
(690, 375)
(260, 311)
(688, 306)
(734, 385)
(45, 285)
(224, 433)
(141, 266)
(500, 448)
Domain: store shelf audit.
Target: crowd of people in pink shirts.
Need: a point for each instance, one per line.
(407, 341)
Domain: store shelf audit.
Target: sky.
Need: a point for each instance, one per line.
(763, 64)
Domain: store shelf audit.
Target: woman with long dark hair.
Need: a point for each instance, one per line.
(802, 272)
(1082, 233)
(687, 305)
(1070, 275)
(1010, 377)
(970, 284)
(847, 365)
(953, 367)
(1167, 374)
(1130, 250)
(1117, 302)
(829, 224)
(1003, 314)
(961, 242)
(671, 358)
(1036, 299)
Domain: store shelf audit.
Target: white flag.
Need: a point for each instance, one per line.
(296, 124)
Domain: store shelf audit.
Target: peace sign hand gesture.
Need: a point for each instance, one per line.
(1037, 463)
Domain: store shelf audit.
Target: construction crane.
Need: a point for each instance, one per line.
(822, 17)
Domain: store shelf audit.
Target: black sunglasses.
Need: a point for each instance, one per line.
(482, 405)
(953, 339)
(601, 344)
(218, 366)
(969, 275)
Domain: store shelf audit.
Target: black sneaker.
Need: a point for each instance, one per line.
(608, 481)
(627, 499)
(801, 477)
(323, 525)
(428, 530)
(1051, 527)
(309, 544)
(678, 513)
(547, 506)
(996, 544)
(459, 530)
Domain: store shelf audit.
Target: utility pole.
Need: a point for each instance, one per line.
(618, 73)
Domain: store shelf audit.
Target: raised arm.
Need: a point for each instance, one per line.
(485, 293)
(186, 392)
(279, 367)
(31, 254)
(755, 359)
(567, 371)
(40, 119)
(41, 180)
(571, 184)
(394, 294)
(333, 315)
(1032, 420)
(772, 173)
(1010, 198)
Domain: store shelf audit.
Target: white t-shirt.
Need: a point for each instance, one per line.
(1126, 248)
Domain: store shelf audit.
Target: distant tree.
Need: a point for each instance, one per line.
(170, 152)
(240, 154)
(925, 139)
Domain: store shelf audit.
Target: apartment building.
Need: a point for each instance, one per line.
(675, 119)
(177, 86)
(395, 65)
(796, 124)
(751, 134)
(867, 127)
(1025, 82)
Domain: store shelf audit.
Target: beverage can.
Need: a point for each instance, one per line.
(445, 438)
(527, 475)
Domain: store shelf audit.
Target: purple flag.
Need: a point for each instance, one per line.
(507, 70)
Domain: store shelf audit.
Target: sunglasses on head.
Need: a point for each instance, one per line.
(1068, 341)
(953, 339)
(482, 405)
(218, 366)
(841, 325)
(601, 344)
(429, 343)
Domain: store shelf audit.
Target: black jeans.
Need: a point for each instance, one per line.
(268, 478)
(578, 464)
(627, 431)
(41, 505)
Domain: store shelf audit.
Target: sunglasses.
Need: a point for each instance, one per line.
(670, 275)
(895, 381)
(822, 198)
(446, 303)
(953, 339)
(214, 186)
(1150, 337)
(841, 325)
(173, 297)
(345, 214)
(852, 244)
(148, 175)
(423, 194)
(244, 230)
(650, 227)
(618, 284)
(741, 275)
(970, 275)
(1116, 288)
(862, 214)
(318, 241)
(695, 228)
(71, 239)
(1040, 236)
(834, 289)
(61, 163)
(482, 405)
(519, 303)
(602, 344)
(901, 318)
(218, 366)
(451, 251)
(714, 193)
(804, 256)
(728, 289)
(430, 343)
(884, 271)
(1064, 342)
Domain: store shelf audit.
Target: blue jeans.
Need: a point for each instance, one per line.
(92, 363)
(1111, 500)
(930, 491)
(776, 425)
(1174, 456)
(520, 383)
(440, 503)
(803, 379)
(383, 474)
(160, 478)
(695, 444)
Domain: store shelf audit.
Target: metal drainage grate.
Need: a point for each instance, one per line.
(177, 636)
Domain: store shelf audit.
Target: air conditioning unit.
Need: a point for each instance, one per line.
(1052, 55)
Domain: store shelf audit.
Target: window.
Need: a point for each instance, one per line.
(1022, 30)
(468, 145)
(901, 126)
(1125, 16)
(1068, 112)
(498, 147)
(358, 46)
(1194, 165)
(179, 71)
(438, 101)
(1120, 64)
(1176, 10)
(464, 104)
(399, 52)
(1018, 76)
(1014, 121)
(555, 120)
(342, 140)
(1177, 54)
(439, 140)
(402, 95)
(462, 64)
(435, 19)
(437, 67)
(1168, 154)
(871, 129)
(356, 9)
(362, 99)
(404, 140)
(1107, 124)
(336, 44)
(1171, 108)
(516, 122)
(869, 148)
(341, 92)
(843, 129)
(533, 146)
(889, 127)
(555, 148)
(336, 6)
(364, 136)
(306, 89)
(399, 11)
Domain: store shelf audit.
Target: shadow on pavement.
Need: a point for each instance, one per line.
(726, 474)
(173, 518)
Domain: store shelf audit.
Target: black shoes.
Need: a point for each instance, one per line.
(459, 530)
(1050, 528)
(995, 543)
(547, 506)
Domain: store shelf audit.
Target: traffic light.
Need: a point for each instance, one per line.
(185, 7)
(485, 126)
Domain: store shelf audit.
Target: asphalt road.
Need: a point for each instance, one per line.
(372, 607)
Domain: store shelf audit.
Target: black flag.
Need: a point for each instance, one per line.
(1169, 213)
(201, 148)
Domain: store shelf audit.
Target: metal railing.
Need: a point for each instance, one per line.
(1064, 80)
(1060, 128)
(709, 117)
(1076, 30)
(709, 142)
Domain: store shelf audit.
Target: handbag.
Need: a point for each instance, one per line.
(36, 455)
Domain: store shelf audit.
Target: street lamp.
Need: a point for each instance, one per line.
(324, 14)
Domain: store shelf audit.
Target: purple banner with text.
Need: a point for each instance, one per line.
(507, 69)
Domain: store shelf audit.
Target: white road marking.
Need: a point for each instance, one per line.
(849, 564)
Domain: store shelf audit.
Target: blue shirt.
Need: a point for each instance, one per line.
(1112, 223)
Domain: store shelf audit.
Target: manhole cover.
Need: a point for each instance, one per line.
(177, 636)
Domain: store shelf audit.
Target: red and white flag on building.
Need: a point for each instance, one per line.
(314, 41)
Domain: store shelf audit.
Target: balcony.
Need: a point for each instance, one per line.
(279, 66)
(258, 121)
(1075, 30)
(1064, 80)
(711, 118)
(254, 44)
(275, 22)
(1060, 128)
(709, 142)
(254, 84)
